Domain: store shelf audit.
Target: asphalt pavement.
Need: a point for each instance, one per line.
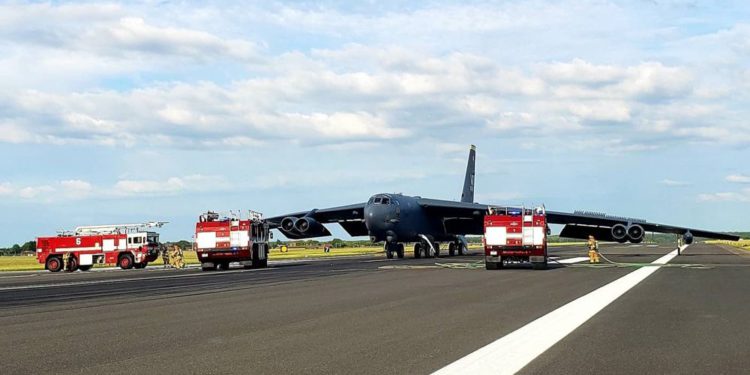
(372, 315)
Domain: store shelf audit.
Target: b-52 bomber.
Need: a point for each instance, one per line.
(396, 219)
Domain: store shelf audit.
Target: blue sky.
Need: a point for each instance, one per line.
(136, 111)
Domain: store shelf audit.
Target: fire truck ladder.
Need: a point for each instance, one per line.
(117, 228)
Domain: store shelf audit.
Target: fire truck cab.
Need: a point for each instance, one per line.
(515, 235)
(126, 245)
(223, 239)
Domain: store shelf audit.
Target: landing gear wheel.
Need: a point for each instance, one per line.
(125, 262)
(461, 248)
(388, 252)
(400, 251)
(427, 250)
(452, 249)
(437, 250)
(417, 250)
(54, 264)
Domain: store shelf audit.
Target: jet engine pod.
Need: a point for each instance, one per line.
(288, 223)
(687, 238)
(620, 233)
(310, 227)
(636, 233)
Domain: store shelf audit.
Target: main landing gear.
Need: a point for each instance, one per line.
(392, 248)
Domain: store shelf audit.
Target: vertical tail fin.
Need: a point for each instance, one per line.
(468, 193)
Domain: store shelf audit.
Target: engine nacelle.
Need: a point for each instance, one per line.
(309, 227)
(687, 238)
(636, 233)
(288, 223)
(620, 233)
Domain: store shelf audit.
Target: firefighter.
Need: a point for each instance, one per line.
(70, 261)
(177, 261)
(593, 250)
(165, 256)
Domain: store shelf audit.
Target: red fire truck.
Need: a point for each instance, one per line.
(223, 239)
(515, 235)
(127, 245)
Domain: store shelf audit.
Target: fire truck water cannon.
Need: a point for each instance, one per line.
(224, 239)
(125, 245)
(515, 235)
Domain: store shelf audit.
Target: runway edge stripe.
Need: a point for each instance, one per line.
(513, 352)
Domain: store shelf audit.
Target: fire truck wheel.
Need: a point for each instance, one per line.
(125, 262)
(417, 250)
(212, 267)
(84, 268)
(400, 251)
(54, 264)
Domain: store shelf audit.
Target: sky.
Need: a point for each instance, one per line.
(157, 110)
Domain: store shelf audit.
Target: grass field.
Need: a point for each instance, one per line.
(26, 263)
(742, 244)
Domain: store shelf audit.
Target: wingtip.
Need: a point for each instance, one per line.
(473, 148)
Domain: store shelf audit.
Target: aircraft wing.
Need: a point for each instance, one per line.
(467, 218)
(601, 226)
(350, 217)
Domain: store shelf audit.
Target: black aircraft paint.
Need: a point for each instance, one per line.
(396, 219)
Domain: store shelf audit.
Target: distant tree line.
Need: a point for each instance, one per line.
(18, 249)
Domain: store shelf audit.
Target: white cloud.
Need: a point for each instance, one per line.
(169, 186)
(741, 196)
(674, 183)
(738, 178)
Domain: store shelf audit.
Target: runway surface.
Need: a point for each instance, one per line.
(374, 316)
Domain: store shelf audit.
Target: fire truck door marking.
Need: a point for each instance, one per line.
(496, 236)
(86, 259)
(206, 240)
(108, 244)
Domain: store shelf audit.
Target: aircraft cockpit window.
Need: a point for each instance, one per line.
(386, 200)
(378, 200)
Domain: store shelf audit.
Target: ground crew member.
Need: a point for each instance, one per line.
(176, 257)
(70, 262)
(165, 256)
(593, 250)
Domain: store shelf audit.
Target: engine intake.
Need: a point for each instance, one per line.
(620, 233)
(288, 223)
(687, 238)
(636, 233)
(305, 224)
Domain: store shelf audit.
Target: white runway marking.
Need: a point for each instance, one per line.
(572, 260)
(513, 352)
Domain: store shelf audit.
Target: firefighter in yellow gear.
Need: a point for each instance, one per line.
(176, 259)
(593, 250)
